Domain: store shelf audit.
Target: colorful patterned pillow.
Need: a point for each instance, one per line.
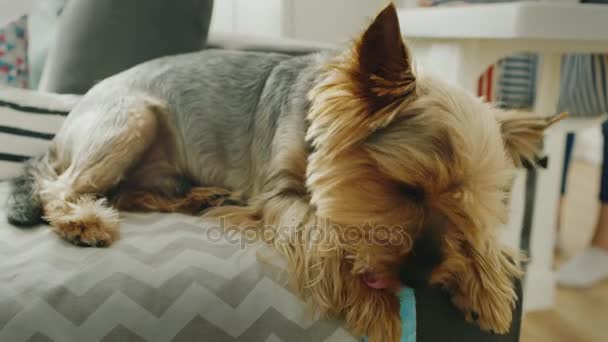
(13, 54)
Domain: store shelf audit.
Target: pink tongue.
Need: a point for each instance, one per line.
(376, 281)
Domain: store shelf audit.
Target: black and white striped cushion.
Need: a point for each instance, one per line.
(28, 121)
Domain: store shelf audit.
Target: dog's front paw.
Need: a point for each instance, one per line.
(492, 312)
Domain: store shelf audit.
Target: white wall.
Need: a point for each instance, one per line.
(329, 21)
(13, 9)
(407, 3)
(332, 20)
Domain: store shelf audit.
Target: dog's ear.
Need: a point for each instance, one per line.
(523, 133)
(384, 62)
(364, 87)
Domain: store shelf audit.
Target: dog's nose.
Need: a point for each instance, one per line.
(426, 254)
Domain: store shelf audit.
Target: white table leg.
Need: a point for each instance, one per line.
(540, 280)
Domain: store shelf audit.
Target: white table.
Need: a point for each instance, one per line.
(459, 43)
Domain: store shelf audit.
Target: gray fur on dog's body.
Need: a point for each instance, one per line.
(229, 108)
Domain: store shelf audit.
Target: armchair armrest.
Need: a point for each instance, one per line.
(438, 320)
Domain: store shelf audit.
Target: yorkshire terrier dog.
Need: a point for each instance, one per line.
(373, 174)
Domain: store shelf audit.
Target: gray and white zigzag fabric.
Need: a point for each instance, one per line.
(170, 278)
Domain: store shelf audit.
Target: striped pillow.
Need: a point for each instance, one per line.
(28, 121)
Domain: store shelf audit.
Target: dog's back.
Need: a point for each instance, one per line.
(228, 106)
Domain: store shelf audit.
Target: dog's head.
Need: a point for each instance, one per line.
(410, 168)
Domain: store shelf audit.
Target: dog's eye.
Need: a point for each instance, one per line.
(415, 193)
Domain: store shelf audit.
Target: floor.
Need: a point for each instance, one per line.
(578, 315)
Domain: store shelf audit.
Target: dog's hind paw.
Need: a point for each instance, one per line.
(88, 223)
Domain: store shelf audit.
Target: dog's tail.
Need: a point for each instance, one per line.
(24, 206)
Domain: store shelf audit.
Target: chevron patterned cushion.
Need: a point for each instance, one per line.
(170, 278)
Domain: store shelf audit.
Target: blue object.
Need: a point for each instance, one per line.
(407, 300)
(408, 315)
